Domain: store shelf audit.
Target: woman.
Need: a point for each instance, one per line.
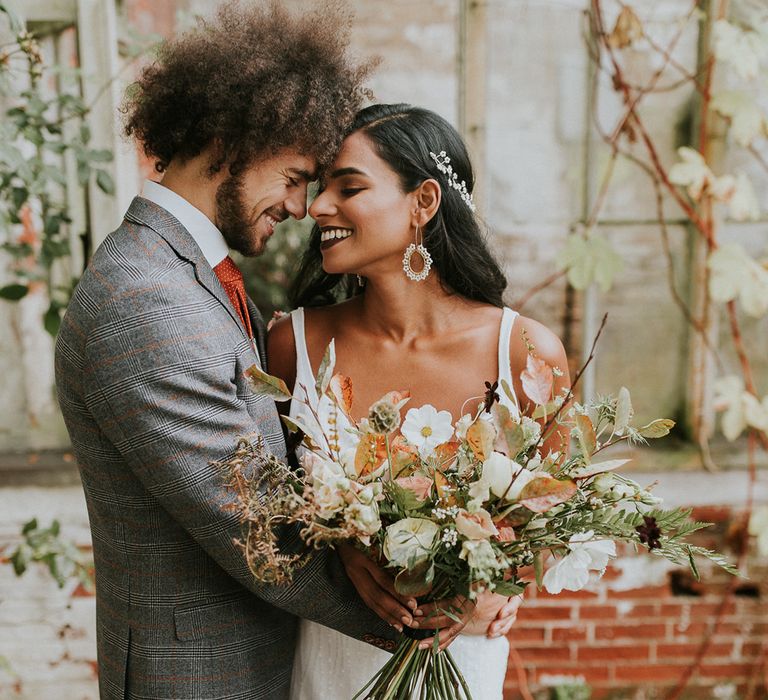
(396, 211)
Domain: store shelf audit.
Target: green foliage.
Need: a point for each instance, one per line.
(34, 143)
(45, 546)
(570, 691)
(267, 276)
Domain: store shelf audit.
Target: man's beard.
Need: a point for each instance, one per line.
(232, 218)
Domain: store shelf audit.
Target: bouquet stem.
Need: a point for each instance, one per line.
(416, 674)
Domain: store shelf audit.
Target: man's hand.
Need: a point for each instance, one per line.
(376, 587)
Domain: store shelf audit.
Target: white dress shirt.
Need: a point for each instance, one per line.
(199, 226)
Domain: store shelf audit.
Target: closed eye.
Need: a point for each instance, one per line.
(351, 191)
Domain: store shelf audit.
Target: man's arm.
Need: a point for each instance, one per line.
(160, 381)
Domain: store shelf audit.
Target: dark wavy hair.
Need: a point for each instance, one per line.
(253, 79)
(403, 137)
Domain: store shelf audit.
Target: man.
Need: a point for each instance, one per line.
(239, 115)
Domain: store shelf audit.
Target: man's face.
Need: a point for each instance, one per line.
(249, 205)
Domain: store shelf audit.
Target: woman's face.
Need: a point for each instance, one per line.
(363, 214)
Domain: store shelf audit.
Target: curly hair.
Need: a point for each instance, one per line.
(252, 80)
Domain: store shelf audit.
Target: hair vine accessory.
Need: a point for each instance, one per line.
(444, 166)
(423, 254)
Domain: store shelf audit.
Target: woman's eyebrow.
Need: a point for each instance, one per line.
(339, 172)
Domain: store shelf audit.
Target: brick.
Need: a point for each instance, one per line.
(689, 650)
(597, 612)
(530, 613)
(526, 634)
(649, 673)
(641, 631)
(614, 652)
(550, 653)
(568, 634)
(729, 670)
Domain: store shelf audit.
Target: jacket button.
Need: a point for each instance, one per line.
(390, 645)
(368, 638)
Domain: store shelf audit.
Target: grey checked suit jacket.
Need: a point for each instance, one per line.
(149, 373)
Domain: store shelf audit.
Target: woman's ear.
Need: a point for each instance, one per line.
(428, 196)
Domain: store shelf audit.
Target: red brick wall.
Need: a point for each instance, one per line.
(639, 642)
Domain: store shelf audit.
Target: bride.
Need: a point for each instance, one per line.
(395, 209)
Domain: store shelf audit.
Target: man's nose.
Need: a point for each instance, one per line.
(296, 204)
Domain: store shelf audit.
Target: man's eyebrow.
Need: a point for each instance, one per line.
(303, 174)
(340, 172)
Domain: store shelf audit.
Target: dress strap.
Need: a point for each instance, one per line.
(304, 375)
(508, 317)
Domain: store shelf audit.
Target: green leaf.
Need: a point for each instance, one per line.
(105, 182)
(13, 292)
(83, 172)
(29, 526)
(100, 155)
(590, 259)
(85, 133)
(538, 568)
(52, 319)
(508, 588)
(263, 383)
(598, 468)
(20, 559)
(623, 411)
(657, 428)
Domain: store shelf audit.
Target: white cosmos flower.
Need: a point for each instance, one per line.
(572, 571)
(426, 428)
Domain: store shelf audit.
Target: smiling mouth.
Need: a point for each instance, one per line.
(331, 236)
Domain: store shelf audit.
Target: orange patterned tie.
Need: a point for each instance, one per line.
(232, 280)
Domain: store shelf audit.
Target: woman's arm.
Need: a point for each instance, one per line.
(548, 347)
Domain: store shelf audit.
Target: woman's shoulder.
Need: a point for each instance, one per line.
(527, 332)
(281, 349)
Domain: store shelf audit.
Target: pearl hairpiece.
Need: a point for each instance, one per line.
(444, 166)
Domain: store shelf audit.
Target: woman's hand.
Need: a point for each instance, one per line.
(494, 615)
(376, 587)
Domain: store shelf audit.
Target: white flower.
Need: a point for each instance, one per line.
(742, 49)
(572, 571)
(743, 204)
(364, 517)
(531, 431)
(408, 541)
(329, 500)
(481, 557)
(497, 473)
(599, 551)
(462, 425)
(426, 428)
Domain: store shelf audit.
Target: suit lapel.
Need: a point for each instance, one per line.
(260, 331)
(147, 213)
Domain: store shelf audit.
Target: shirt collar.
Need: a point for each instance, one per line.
(200, 227)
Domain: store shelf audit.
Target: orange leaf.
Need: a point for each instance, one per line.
(371, 453)
(537, 379)
(445, 454)
(29, 234)
(405, 457)
(588, 438)
(480, 436)
(446, 496)
(340, 390)
(544, 492)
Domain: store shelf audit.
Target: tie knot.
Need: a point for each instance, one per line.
(228, 272)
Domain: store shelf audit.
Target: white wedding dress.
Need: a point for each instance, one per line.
(329, 665)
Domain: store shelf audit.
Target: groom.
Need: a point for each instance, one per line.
(239, 114)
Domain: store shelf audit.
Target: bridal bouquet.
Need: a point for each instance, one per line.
(455, 509)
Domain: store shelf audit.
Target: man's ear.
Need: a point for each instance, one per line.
(428, 196)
